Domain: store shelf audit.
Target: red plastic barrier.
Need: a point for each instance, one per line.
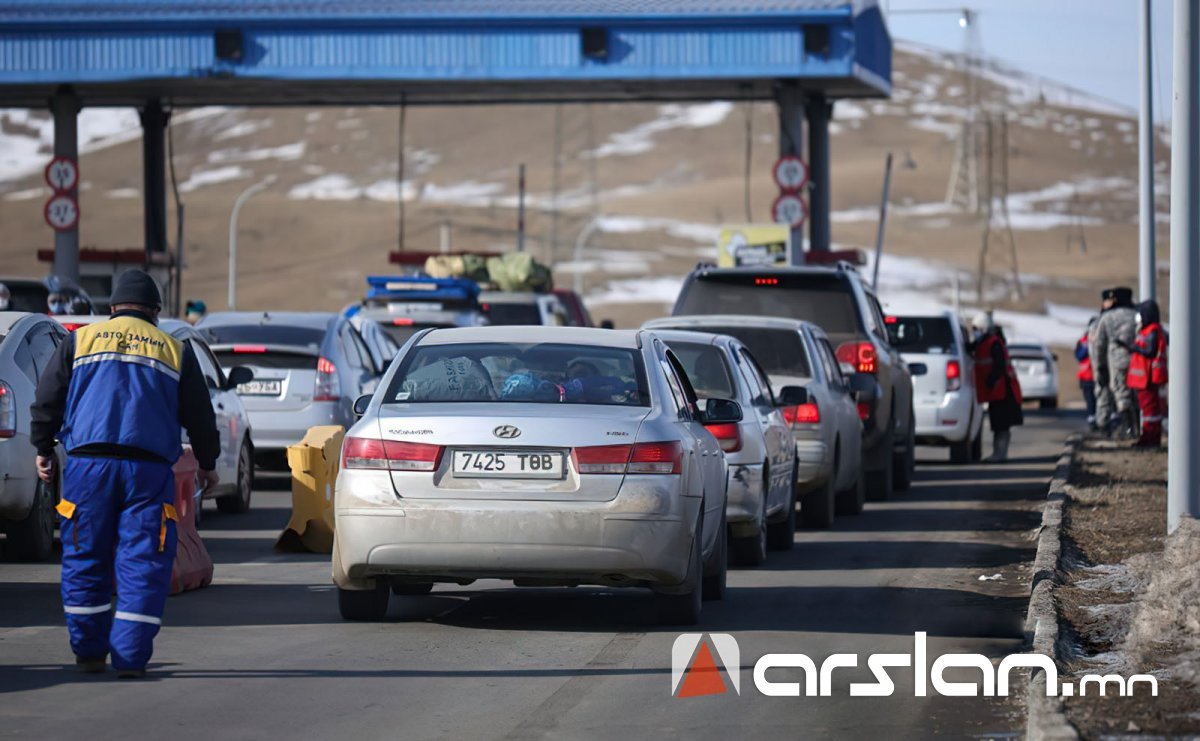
(193, 567)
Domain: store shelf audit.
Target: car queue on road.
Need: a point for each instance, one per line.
(480, 446)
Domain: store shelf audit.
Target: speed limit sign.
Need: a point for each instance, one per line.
(789, 209)
(62, 212)
(791, 173)
(62, 174)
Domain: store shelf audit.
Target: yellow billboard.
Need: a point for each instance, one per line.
(752, 245)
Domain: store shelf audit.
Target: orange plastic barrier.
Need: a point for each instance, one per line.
(193, 566)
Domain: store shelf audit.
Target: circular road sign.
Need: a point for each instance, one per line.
(789, 209)
(62, 212)
(62, 174)
(791, 173)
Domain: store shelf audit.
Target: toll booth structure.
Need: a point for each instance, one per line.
(162, 55)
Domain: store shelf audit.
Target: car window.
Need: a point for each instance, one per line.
(825, 298)
(833, 369)
(208, 366)
(265, 334)
(922, 334)
(677, 399)
(41, 348)
(874, 316)
(511, 372)
(706, 367)
(355, 349)
(23, 355)
(689, 392)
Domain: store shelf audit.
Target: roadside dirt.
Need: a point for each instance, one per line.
(1124, 607)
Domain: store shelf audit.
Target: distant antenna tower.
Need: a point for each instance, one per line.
(998, 251)
(1075, 235)
(963, 189)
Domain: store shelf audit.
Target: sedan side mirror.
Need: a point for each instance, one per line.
(792, 396)
(361, 404)
(718, 411)
(237, 376)
(864, 386)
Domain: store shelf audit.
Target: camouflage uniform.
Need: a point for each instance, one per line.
(1110, 362)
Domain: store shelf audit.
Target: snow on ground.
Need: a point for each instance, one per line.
(124, 193)
(327, 188)
(640, 138)
(637, 291)
(285, 152)
(681, 229)
(609, 261)
(245, 128)
(200, 178)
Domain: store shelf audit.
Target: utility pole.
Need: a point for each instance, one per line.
(1147, 267)
(1183, 468)
(555, 184)
(246, 195)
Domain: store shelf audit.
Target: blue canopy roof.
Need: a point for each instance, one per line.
(287, 52)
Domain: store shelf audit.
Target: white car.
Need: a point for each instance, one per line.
(760, 454)
(27, 343)
(1037, 370)
(945, 405)
(517, 308)
(541, 455)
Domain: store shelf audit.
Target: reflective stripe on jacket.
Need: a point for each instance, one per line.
(124, 388)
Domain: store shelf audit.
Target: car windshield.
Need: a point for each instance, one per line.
(513, 314)
(825, 300)
(533, 373)
(779, 352)
(265, 334)
(706, 368)
(933, 335)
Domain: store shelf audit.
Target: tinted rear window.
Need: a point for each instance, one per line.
(285, 360)
(29, 297)
(541, 373)
(825, 300)
(706, 369)
(265, 334)
(780, 352)
(922, 335)
(514, 314)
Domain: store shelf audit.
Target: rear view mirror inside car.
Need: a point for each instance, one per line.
(237, 376)
(793, 396)
(722, 410)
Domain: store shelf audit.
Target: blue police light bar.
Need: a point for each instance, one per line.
(420, 288)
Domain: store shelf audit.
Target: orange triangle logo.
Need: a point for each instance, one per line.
(703, 677)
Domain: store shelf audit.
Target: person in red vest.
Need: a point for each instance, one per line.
(1148, 372)
(1087, 379)
(996, 383)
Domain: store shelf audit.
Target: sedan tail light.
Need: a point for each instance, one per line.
(953, 375)
(804, 414)
(728, 435)
(328, 388)
(8, 411)
(71, 326)
(663, 457)
(860, 355)
(389, 455)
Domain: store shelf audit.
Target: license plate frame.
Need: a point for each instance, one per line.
(261, 387)
(481, 463)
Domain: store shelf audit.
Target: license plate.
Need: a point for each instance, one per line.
(260, 388)
(504, 464)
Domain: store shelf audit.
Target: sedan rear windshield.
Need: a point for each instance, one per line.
(780, 352)
(262, 359)
(926, 335)
(514, 314)
(265, 334)
(401, 332)
(530, 373)
(706, 369)
(825, 300)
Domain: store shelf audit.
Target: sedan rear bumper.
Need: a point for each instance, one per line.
(944, 423)
(643, 537)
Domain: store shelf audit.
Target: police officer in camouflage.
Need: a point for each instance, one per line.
(1116, 410)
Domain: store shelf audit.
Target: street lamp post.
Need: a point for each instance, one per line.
(246, 195)
(584, 235)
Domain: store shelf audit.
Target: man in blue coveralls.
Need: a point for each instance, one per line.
(116, 394)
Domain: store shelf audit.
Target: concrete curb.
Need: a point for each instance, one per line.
(1044, 715)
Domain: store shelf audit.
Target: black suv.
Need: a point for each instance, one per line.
(836, 299)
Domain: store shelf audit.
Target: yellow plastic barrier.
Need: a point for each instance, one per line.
(314, 462)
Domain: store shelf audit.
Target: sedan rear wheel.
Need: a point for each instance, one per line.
(715, 571)
(905, 462)
(684, 608)
(879, 481)
(367, 604)
(239, 501)
(781, 536)
(851, 501)
(32, 539)
(751, 550)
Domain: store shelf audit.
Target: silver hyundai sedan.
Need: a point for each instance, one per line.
(544, 455)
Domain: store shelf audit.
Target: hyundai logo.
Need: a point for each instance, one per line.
(506, 432)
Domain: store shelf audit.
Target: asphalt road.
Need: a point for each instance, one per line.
(262, 652)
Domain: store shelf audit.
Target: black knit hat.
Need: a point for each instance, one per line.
(136, 287)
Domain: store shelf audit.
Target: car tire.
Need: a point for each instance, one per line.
(716, 570)
(752, 550)
(239, 501)
(905, 463)
(781, 536)
(851, 501)
(1049, 403)
(408, 589)
(684, 608)
(817, 509)
(977, 446)
(366, 604)
(32, 539)
(960, 452)
(879, 481)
